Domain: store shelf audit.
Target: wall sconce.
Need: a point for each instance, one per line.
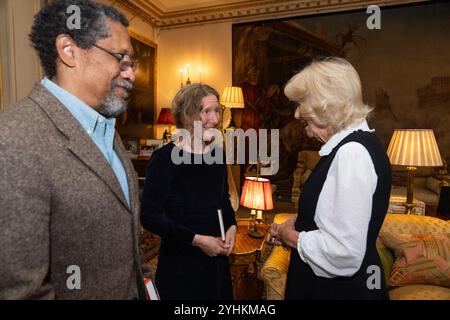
(200, 75)
(188, 79)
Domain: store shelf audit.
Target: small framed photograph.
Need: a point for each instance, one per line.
(149, 146)
(132, 147)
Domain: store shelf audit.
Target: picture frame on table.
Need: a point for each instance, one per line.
(148, 146)
(132, 147)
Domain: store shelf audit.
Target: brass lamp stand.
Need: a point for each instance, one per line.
(409, 204)
(254, 232)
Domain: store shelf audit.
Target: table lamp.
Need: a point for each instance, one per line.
(165, 117)
(256, 195)
(413, 148)
(232, 97)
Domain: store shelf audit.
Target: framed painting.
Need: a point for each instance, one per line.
(404, 69)
(138, 121)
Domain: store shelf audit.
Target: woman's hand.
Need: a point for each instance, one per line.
(287, 234)
(274, 234)
(284, 233)
(230, 238)
(211, 246)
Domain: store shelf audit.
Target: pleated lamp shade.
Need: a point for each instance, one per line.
(415, 148)
(257, 194)
(232, 97)
(165, 117)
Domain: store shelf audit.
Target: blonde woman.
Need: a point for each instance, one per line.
(180, 203)
(343, 203)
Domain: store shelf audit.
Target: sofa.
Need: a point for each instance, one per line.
(427, 184)
(274, 270)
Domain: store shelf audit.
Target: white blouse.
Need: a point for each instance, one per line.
(343, 210)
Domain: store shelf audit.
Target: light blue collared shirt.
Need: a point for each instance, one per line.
(100, 129)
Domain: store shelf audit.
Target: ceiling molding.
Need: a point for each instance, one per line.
(245, 11)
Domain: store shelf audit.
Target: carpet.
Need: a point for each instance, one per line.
(249, 288)
(149, 249)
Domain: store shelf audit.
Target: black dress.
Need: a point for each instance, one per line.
(178, 202)
(302, 283)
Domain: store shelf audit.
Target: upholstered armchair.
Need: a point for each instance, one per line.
(427, 184)
(274, 270)
(412, 224)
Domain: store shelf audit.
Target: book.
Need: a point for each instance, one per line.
(151, 289)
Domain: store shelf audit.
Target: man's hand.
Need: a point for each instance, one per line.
(211, 246)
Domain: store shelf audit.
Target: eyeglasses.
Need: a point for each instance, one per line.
(123, 64)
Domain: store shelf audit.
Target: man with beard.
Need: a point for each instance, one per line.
(68, 193)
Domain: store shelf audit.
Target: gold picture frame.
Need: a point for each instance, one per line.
(1, 85)
(139, 119)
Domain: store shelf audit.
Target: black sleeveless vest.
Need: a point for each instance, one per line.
(302, 283)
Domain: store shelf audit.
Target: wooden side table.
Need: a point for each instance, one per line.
(246, 253)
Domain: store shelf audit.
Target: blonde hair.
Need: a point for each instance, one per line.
(329, 94)
(187, 104)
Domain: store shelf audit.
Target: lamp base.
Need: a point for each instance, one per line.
(255, 233)
(232, 125)
(409, 207)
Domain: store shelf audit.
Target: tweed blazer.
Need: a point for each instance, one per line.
(63, 213)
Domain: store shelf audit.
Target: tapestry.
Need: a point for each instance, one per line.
(404, 68)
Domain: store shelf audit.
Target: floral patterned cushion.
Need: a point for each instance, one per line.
(420, 292)
(403, 223)
(420, 258)
(274, 269)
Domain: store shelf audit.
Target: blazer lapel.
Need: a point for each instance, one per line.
(80, 144)
(133, 187)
